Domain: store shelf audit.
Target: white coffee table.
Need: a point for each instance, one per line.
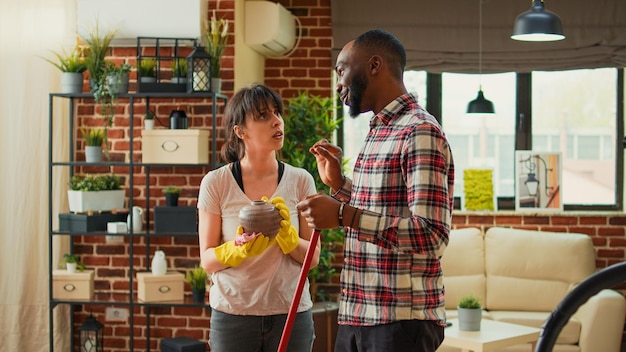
(493, 335)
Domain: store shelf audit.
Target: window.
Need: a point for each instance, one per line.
(575, 112)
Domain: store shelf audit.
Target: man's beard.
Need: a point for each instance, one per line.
(359, 83)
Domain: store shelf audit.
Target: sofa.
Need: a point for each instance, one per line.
(520, 276)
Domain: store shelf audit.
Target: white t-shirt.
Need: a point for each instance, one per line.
(264, 284)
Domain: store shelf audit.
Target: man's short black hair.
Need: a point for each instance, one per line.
(385, 44)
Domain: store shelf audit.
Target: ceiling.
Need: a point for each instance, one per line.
(443, 35)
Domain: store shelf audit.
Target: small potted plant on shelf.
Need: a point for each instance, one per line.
(148, 122)
(95, 193)
(470, 313)
(216, 40)
(197, 278)
(147, 70)
(72, 65)
(97, 44)
(171, 195)
(71, 263)
(93, 144)
(117, 78)
(179, 71)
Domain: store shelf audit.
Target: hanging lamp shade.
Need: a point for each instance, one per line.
(538, 25)
(480, 105)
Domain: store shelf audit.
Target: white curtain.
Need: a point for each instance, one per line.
(29, 29)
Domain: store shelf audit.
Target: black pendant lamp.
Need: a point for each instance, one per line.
(538, 25)
(480, 105)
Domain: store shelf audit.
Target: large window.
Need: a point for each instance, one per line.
(574, 112)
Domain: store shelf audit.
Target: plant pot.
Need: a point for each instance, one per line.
(118, 84)
(469, 319)
(216, 85)
(81, 202)
(171, 200)
(198, 295)
(179, 80)
(148, 80)
(148, 124)
(93, 154)
(71, 267)
(71, 82)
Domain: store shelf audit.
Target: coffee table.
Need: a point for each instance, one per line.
(493, 335)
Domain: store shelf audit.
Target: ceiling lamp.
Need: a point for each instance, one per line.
(480, 105)
(538, 25)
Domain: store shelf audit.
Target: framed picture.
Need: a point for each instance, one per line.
(538, 181)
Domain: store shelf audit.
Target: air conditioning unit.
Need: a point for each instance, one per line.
(270, 29)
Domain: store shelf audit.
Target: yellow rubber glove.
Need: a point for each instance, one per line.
(231, 255)
(287, 237)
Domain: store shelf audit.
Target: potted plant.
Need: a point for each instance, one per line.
(71, 263)
(97, 47)
(179, 71)
(117, 78)
(470, 313)
(171, 195)
(216, 39)
(95, 193)
(93, 144)
(72, 65)
(196, 278)
(148, 122)
(147, 70)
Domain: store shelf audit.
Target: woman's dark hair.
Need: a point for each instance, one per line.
(247, 101)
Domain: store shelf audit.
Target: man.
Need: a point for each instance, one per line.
(396, 211)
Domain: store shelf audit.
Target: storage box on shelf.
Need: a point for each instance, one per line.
(175, 219)
(160, 288)
(182, 344)
(175, 146)
(72, 286)
(89, 223)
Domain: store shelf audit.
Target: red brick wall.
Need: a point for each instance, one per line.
(309, 68)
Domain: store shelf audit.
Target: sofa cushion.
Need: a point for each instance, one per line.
(463, 265)
(534, 270)
(570, 334)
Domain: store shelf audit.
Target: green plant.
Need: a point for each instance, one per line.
(74, 61)
(97, 47)
(72, 258)
(90, 183)
(303, 114)
(179, 67)
(216, 39)
(171, 190)
(93, 137)
(196, 277)
(150, 114)
(469, 302)
(147, 67)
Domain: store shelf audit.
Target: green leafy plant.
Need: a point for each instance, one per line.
(147, 67)
(179, 68)
(74, 61)
(97, 47)
(469, 302)
(216, 39)
(150, 114)
(91, 183)
(72, 258)
(303, 114)
(196, 277)
(93, 137)
(171, 190)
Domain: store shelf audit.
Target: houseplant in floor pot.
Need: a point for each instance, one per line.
(71, 263)
(95, 193)
(196, 278)
(72, 66)
(171, 195)
(470, 313)
(93, 144)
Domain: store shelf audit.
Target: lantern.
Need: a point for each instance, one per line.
(91, 335)
(198, 71)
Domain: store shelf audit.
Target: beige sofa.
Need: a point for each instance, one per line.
(521, 276)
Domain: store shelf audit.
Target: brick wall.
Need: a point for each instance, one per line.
(309, 68)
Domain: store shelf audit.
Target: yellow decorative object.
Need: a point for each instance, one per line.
(478, 189)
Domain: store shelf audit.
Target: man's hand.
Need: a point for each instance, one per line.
(329, 164)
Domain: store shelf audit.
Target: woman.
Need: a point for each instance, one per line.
(254, 283)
